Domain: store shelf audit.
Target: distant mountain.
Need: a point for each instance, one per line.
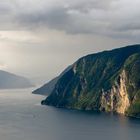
(12, 81)
(48, 88)
(106, 81)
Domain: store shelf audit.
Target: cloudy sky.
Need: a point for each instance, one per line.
(39, 38)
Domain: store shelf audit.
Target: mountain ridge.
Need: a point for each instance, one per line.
(12, 81)
(104, 81)
(47, 88)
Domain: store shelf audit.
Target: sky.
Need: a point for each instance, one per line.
(40, 38)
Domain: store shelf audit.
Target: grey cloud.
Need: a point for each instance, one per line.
(104, 17)
(56, 18)
(86, 6)
(132, 26)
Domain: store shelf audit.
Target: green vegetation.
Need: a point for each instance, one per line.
(81, 86)
(134, 110)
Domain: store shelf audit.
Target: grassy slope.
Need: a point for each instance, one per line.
(132, 67)
(81, 90)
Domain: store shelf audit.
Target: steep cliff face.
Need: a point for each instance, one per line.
(107, 81)
(116, 99)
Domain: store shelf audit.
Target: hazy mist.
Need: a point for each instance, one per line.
(39, 38)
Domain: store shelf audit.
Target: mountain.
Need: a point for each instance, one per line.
(106, 81)
(48, 88)
(12, 81)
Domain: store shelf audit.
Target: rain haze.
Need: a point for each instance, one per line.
(40, 38)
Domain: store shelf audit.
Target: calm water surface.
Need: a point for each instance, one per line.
(23, 118)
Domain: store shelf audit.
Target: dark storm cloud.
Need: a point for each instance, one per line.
(103, 17)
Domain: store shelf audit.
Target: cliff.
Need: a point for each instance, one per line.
(106, 81)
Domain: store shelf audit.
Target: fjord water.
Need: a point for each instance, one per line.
(23, 118)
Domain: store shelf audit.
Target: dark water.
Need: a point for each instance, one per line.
(23, 118)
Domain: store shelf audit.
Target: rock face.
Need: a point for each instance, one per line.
(106, 81)
(12, 81)
(116, 99)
